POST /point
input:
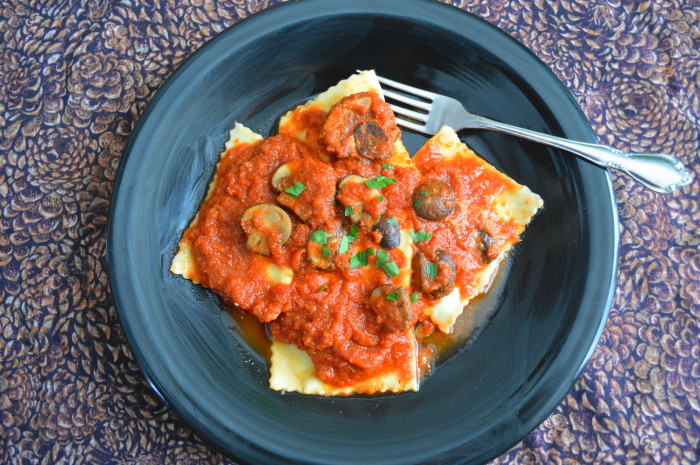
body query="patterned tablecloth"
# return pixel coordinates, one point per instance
(75, 76)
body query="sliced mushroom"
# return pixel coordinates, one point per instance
(308, 188)
(445, 273)
(363, 100)
(357, 202)
(316, 251)
(361, 126)
(388, 232)
(368, 138)
(434, 200)
(265, 224)
(353, 179)
(392, 307)
(282, 177)
(357, 179)
(485, 243)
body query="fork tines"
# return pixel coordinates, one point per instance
(407, 117)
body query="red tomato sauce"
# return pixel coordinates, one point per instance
(475, 188)
(326, 313)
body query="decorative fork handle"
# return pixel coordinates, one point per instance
(659, 172)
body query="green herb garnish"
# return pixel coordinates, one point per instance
(319, 237)
(391, 269)
(394, 296)
(322, 288)
(325, 252)
(348, 239)
(361, 258)
(414, 297)
(349, 211)
(295, 189)
(387, 166)
(421, 236)
(380, 198)
(344, 245)
(382, 258)
(393, 221)
(379, 182)
(431, 269)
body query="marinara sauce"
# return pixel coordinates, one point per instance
(324, 308)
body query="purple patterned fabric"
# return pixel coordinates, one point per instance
(76, 76)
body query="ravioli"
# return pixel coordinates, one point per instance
(352, 266)
(514, 203)
(293, 122)
(291, 369)
(183, 263)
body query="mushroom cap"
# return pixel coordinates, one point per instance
(443, 283)
(434, 200)
(392, 307)
(359, 214)
(284, 171)
(265, 224)
(390, 233)
(361, 126)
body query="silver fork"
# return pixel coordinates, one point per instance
(659, 172)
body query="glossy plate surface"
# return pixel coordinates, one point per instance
(485, 397)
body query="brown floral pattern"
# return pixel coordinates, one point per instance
(76, 75)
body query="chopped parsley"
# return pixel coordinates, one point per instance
(379, 182)
(431, 269)
(394, 296)
(380, 198)
(387, 166)
(421, 236)
(361, 258)
(344, 245)
(348, 239)
(391, 269)
(325, 252)
(393, 221)
(295, 189)
(322, 288)
(414, 297)
(382, 258)
(349, 211)
(319, 237)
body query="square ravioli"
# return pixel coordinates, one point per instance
(332, 236)
(491, 212)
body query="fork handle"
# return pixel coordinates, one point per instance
(659, 172)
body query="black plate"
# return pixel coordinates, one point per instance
(485, 397)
